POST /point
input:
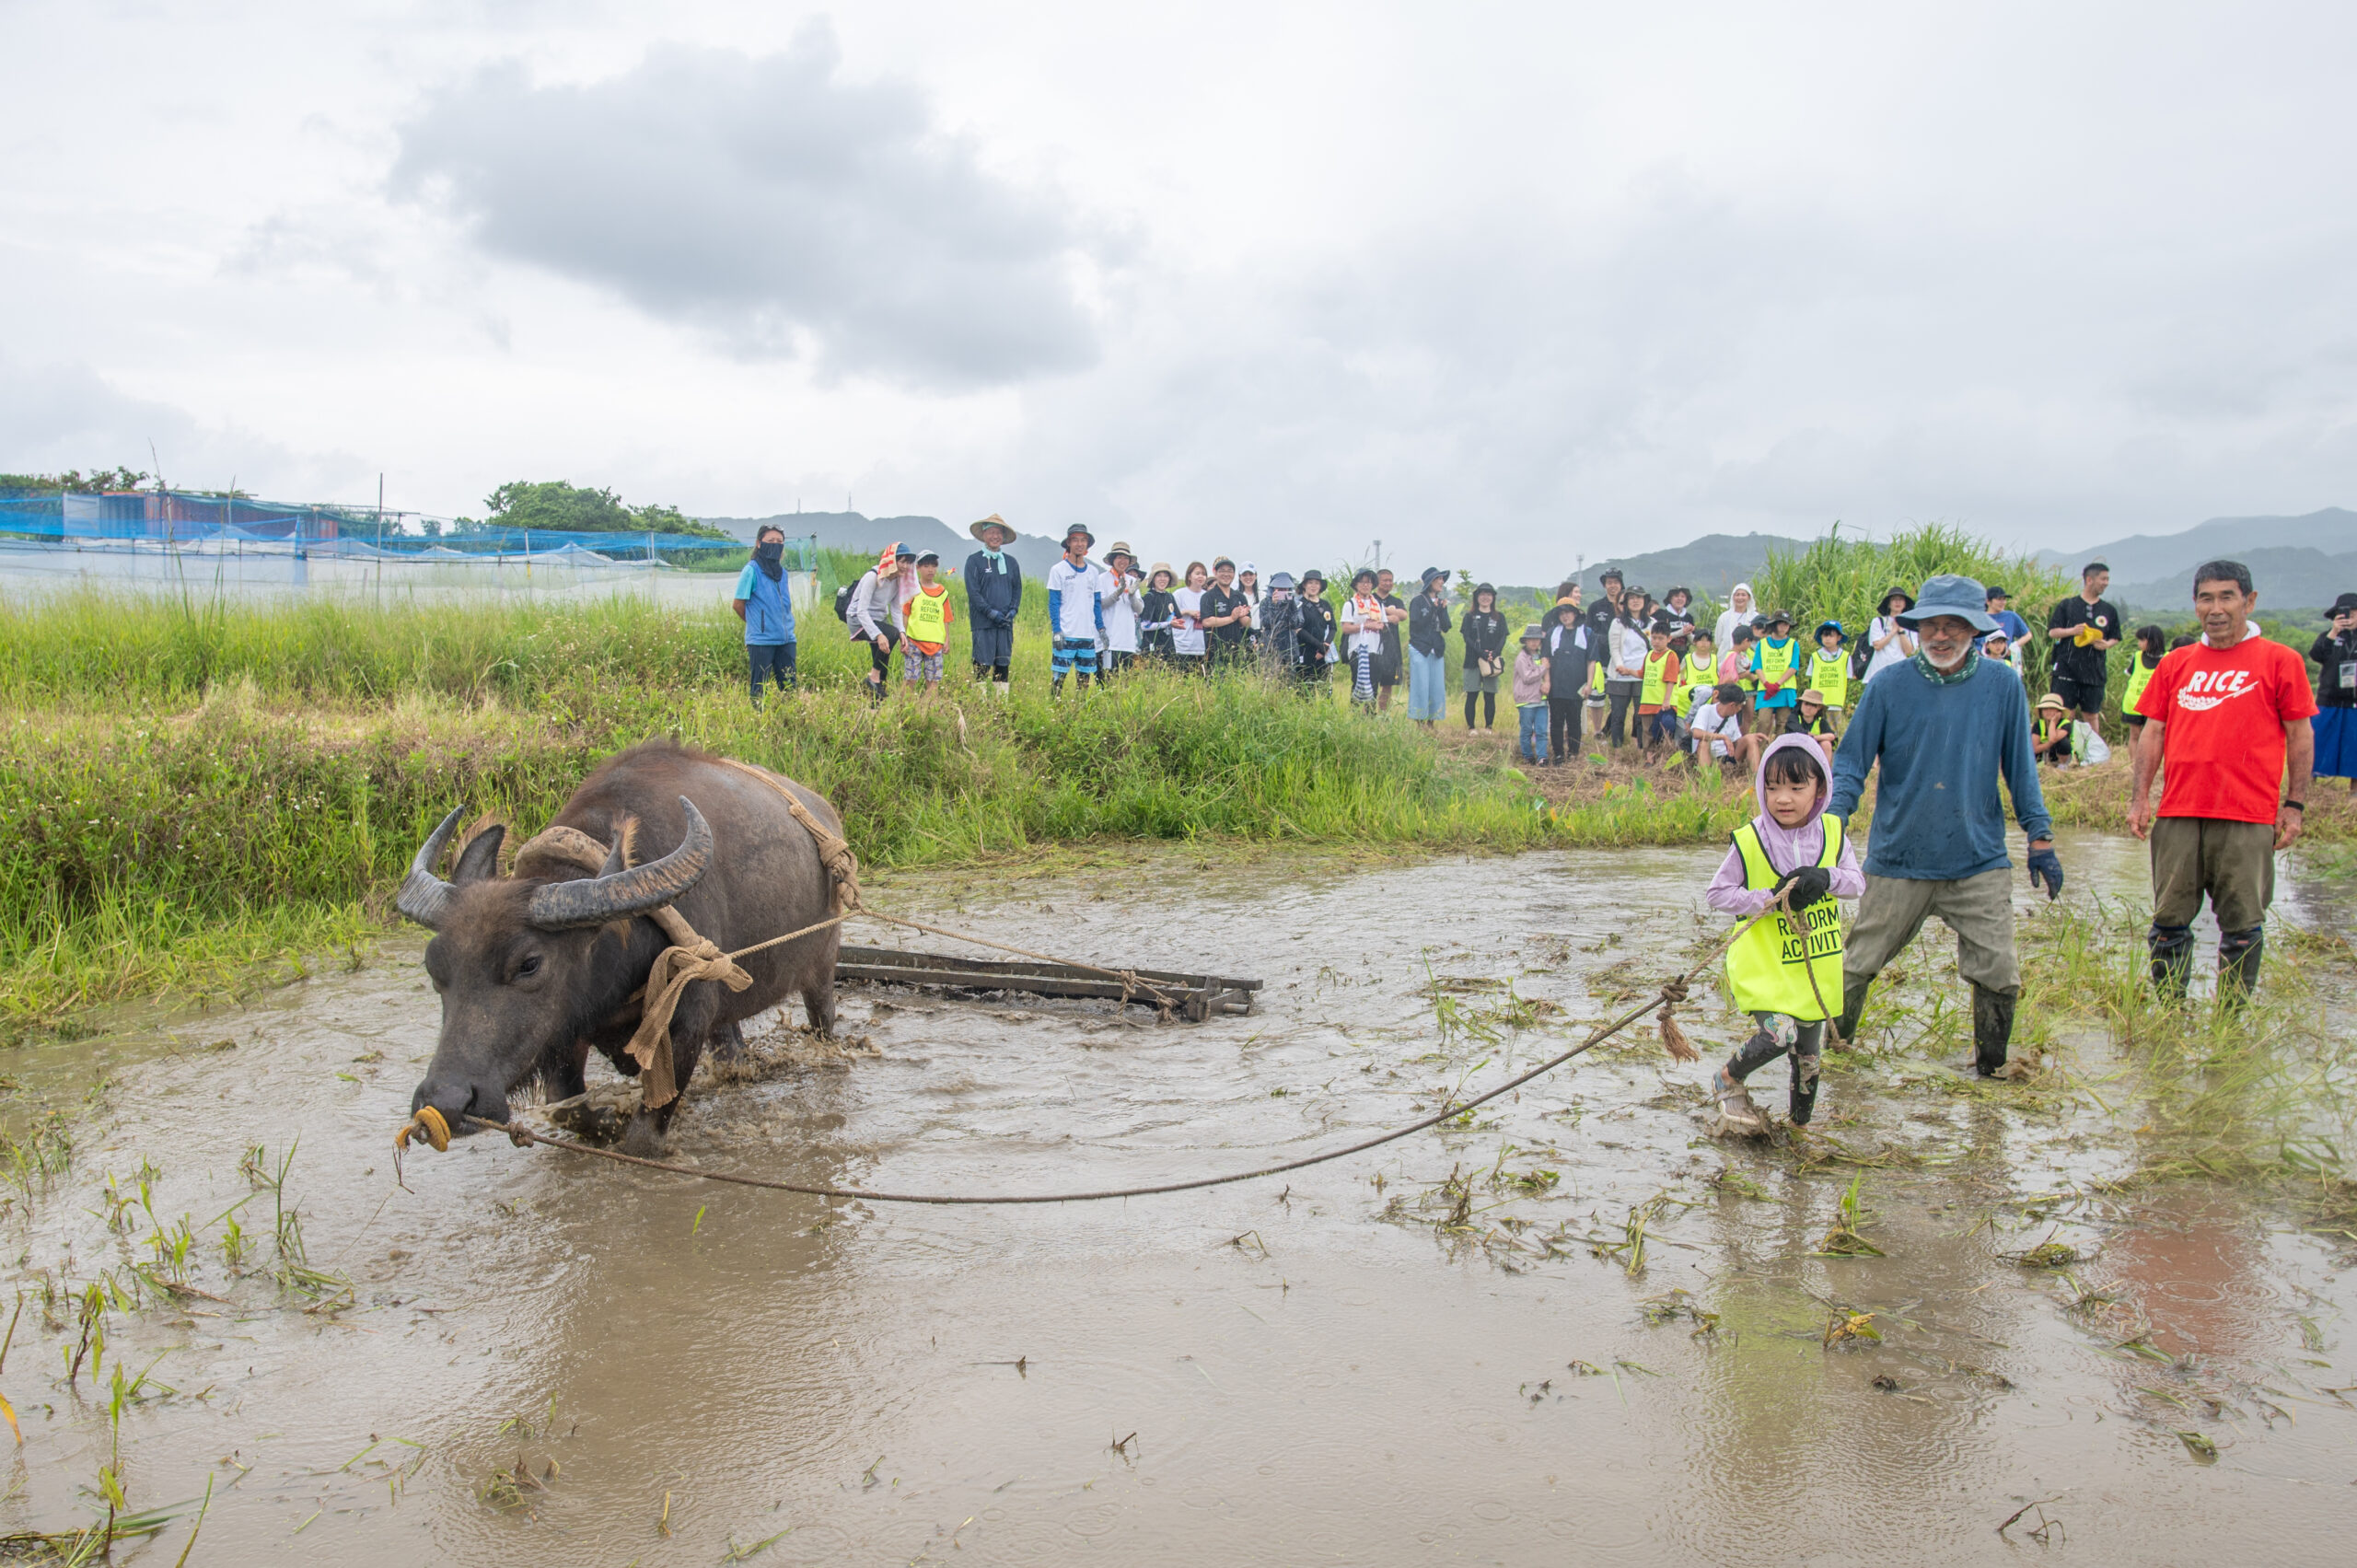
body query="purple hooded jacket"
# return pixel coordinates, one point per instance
(1788, 849)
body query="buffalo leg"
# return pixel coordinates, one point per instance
(562, 1071)
(819, 1001)
(726, 1041)
(698, 1011)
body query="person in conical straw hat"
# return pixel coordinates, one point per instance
(994, 596)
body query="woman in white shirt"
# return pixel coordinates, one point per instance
(1123, 603)
(1892, 644)
(1187, 626)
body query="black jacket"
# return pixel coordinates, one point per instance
(993, 596)
(1485, 633)
(2335, 654)
(1316, 633)
(1160, 605)
(1428, 626)
(1568, 658)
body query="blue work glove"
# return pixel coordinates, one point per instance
(2045, 866)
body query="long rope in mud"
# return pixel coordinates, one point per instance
(1670, 994)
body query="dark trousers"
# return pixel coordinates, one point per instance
(993, 651)
(1112, 662)
(1622, 694)
(1562, 727)
(768, 659)
(881, 655)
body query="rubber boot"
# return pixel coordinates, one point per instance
(2238, 956)
(1992, 1029)
(1805, 1076)
(1853, 1008)
(2172, 947)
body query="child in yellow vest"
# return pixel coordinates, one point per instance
(1828, 670)
(930, 616)
(1790, 984)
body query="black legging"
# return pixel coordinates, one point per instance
(1563, 728)
(880, 652)
(1489, 710)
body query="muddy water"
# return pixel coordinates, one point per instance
(1274, 1372)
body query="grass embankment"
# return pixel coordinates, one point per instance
(195, 797)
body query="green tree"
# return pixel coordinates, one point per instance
(560, 507)
(92, 483)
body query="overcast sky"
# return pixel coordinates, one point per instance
(1500, 285)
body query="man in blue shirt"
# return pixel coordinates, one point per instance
(766, 608)
(1944, 725)
(2016, 628)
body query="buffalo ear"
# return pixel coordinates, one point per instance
(620, 856)
(480, 860)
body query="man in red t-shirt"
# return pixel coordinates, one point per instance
(2222, 717)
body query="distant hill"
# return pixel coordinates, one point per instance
(2287, 577)
(2308, 558)
(1710, 565)
(854, 530)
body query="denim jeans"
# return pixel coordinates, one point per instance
(1427, 685)
(1534, 732)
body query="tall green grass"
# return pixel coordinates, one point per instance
(1846, 580)
(124, 835)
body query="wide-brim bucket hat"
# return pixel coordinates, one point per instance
(1161, 568)
(1533, 632)
(1884, 603)
(1118, 547)
(1950, 593)
(992, 521)
(1082, 530)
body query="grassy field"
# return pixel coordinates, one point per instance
(199, 796)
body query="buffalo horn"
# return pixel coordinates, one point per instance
(425, 896)
(594, 900)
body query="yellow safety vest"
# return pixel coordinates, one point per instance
(929, 617)
(1775, 661)
(1831, 675)
(1654, 689)
(1768, 968)
(2140, 675)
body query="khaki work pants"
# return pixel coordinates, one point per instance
(2233, 862)
(1980, 909)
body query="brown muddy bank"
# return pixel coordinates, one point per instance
(1370, 1364)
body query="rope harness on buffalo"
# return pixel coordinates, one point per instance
(1663, 1001)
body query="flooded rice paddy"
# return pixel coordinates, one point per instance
(1574, 1329)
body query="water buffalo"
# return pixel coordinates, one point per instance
(536, 969)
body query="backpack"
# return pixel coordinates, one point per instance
(1862, 654)
(843, 602)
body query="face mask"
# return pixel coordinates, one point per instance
(771, 552)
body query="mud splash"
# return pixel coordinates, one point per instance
(1572, 1329)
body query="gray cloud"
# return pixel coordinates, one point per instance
(766, 202)
(59, 416)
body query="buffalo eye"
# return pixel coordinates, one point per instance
(529, 964)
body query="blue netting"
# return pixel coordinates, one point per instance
(171, 519)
